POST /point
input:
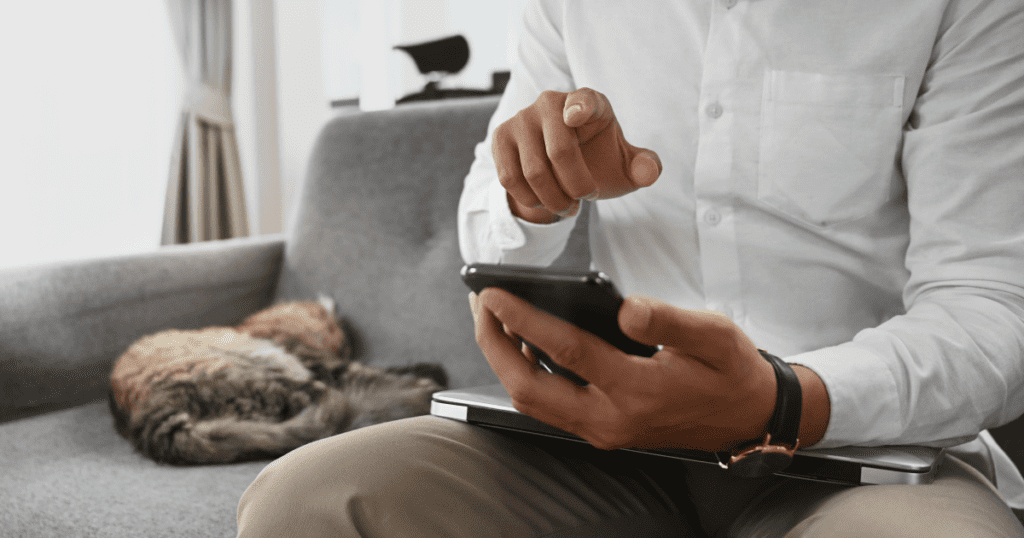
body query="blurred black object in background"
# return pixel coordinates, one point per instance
(447, 55)
(440, 58)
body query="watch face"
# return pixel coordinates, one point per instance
(759, 464)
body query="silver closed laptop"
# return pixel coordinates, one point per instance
(490, 406)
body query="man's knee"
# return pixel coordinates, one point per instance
(958, 504)
(902, 512)
(323, 484)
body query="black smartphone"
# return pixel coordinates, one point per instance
(587, 299)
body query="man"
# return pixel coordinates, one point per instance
(836, 183)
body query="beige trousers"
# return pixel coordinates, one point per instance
(429, 476)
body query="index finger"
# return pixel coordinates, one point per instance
(589, 112)
(546, 397)
(562, 146)
(589, 356)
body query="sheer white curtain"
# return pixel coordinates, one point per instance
(90, 95)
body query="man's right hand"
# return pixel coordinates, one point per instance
(564, 148)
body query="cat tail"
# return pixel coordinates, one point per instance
(180, 439)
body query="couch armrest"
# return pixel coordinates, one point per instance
(63, 324)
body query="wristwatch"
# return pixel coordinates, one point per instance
(775, 451)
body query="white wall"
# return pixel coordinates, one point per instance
(360, 34)
(340, 49)
(492, 28)
(280, 102)
(303, 104)
(256, 113)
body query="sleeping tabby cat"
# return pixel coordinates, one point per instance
(282, 378)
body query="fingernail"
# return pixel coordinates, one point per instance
(643, 170)
(636, 314)
(473, 303)
(572, 110)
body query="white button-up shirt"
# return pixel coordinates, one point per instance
(845, 180)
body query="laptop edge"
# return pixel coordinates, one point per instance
(910, 465)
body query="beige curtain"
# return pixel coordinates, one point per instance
(205, 197)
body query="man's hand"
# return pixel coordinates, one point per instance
(707, 389)
(564, 148)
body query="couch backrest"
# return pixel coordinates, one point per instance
(376, 229)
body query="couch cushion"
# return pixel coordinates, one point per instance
(377, 230)
(69, 474)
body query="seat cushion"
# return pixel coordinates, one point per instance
(69, 474)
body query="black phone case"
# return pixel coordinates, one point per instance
(587, 299)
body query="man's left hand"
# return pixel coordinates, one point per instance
(708, 388)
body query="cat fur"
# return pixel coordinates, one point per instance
(281, 379)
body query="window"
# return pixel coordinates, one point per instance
(91, 96)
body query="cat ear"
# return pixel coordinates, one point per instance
(329, 305)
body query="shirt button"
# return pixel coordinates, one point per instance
(729, 4)
(712, 217)
(714, 110)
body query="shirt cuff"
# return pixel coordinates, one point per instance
(523, 242)
(865, 405)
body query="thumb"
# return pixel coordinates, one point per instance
(653, 322)
(644, 166)
(636, 320)
(590, 113)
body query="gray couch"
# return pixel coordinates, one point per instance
(376, 230)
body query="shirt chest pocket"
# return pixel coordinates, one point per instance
(829, 144)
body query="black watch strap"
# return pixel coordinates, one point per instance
(775, 452)
(784, 425)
